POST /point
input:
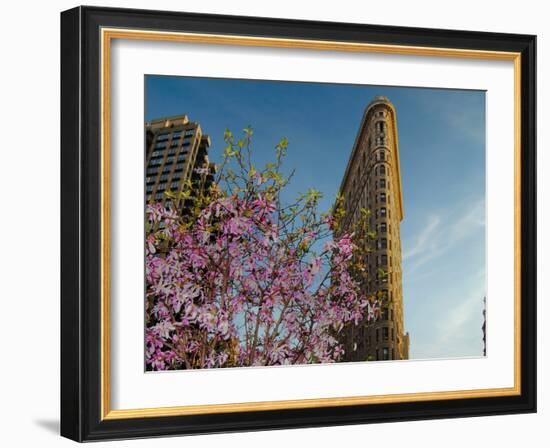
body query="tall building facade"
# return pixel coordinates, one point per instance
(372, 181)
(176, 154)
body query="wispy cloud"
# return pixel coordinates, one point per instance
(458, 321)
(444, 284)
(456, 332)
(442, 231)
(424, 241)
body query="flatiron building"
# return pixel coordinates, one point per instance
(372, 181)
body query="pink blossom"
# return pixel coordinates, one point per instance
(238, 285)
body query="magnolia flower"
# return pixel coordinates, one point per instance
(202, 171)
(163, 328)
(231, 285)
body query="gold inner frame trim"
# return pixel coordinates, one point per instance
(107, 35)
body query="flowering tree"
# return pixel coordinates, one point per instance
(242, 279)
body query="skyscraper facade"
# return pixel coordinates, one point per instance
(176, 155)
(372, 181)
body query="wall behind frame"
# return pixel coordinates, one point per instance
(29, 89)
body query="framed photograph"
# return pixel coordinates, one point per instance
(273, 223)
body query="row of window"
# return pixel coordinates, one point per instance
(382, 212)
(384, 335)
(384, 261)
(163, 137)
(386, 314)
(381, 141)
(170, 152)
(385, 354)
(173, 186)
(380, 156)
(380, 170)
(151, 180)
(160, 148)
(173, 144)
(382, 243)
(175, 134)
(381, 126)
(166, 136)
(169, 160)
(382, 198)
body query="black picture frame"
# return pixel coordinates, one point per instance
(81, 224)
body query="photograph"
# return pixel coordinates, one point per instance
(290, 223)
(274, 223)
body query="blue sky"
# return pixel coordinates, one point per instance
(442, 152)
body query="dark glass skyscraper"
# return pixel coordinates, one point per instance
(176, 155)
